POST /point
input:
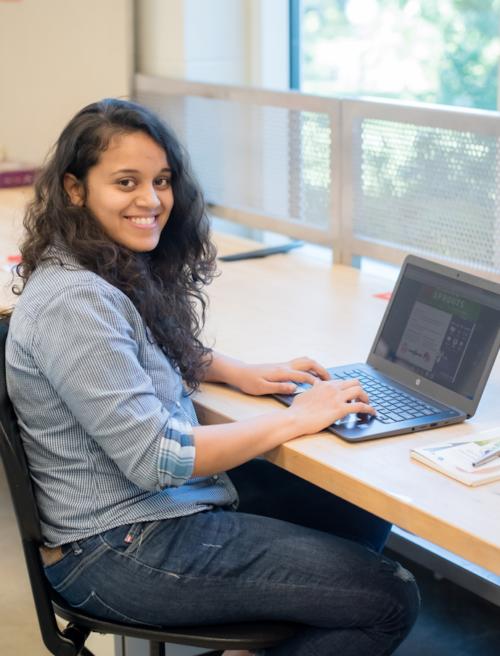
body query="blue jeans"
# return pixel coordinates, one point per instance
(223, 566)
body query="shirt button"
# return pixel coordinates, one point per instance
(178, 404)
(215, 478)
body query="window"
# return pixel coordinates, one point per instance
(444, 52)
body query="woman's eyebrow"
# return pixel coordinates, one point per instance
(165, 169)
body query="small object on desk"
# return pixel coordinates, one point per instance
(460, 459)
(488, 456)
(261, 252)
(14, 259)
(385, 296)
(16, 174)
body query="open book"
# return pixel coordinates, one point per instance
(455, 459)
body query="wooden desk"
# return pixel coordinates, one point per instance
(288, 305)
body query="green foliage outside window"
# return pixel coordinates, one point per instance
(418, 187)
(443, 52)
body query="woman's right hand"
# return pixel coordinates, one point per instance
(220, 447)
(326, 402)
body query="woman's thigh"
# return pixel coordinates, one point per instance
(223, 566)
(265, 489)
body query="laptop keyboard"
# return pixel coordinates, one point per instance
(391, 403)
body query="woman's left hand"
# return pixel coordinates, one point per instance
(279, 378)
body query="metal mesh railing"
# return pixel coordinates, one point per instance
(260, 159)
(377, 179)
(428, 190)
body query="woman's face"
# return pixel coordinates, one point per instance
(128, 191)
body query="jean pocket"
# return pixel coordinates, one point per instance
(58, 572)
(66, 551)
(94, 605)
(62, 574)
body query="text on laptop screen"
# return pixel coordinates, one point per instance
(441, 329)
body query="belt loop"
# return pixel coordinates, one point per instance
(77, 550)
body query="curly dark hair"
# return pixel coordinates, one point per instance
(166, 284)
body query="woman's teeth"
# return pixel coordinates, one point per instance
(142, 220)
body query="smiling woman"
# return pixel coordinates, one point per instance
(137, 508)
(124, 177)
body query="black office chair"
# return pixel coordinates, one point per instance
(71, 640)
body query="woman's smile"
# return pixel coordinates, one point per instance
(142, 222)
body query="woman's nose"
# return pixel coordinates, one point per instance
(148, 197)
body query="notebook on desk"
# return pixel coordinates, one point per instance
(431, 357)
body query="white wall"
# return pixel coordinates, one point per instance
(219, 41)
(55, 57)
(268, 53)
(193, 39)
(58, 55)
(160, 37)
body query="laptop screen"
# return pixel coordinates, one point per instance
(441, 329)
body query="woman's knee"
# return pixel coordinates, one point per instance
(405, 598)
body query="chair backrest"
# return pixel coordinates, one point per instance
(14, 459)
(21, 490)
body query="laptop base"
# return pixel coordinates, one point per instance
(353, 428)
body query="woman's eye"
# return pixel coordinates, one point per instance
(126, 183)
(163, 182)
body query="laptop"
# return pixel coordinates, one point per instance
(431, 357)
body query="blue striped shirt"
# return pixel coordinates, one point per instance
(106, 423)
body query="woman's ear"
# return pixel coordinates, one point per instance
(74, 188)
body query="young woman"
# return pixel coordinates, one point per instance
(141, 522)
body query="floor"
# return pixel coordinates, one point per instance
(452, 621)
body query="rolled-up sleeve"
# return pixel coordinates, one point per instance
(85, 344)
(176, 455)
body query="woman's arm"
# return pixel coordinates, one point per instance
(224, 446)
(276, 378)
(86, 347)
